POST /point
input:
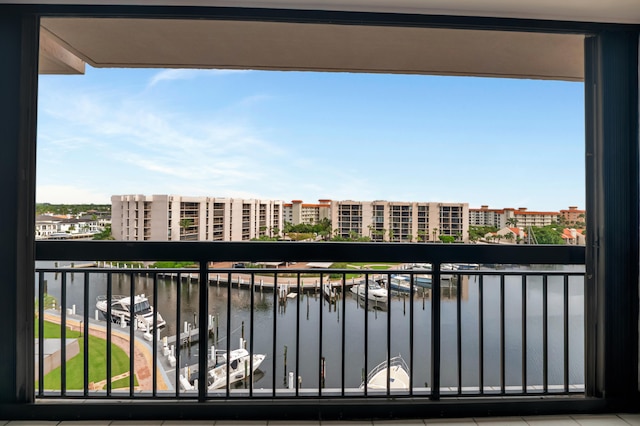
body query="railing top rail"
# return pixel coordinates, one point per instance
(308, 251)
(312, 271)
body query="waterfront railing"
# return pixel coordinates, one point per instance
(513, 325)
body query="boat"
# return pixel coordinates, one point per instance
(240, 367)
(402, 282)
(467, 266)
(396, 371)
(121, 310)
(372, 290)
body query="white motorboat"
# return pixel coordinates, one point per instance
(396, 371)
(372, 290)
(121, 311)
(240, 367)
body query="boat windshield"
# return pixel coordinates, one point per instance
(142, 307)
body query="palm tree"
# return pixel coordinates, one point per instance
(435, 232)
(184, 225)
(513, 222)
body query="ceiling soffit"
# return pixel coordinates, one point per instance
(177, 43)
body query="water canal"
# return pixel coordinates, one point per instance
(310, 310)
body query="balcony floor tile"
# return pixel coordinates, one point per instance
(409, 422)
(632, 419)
(550, 421)
(597, 420)
(501, 421)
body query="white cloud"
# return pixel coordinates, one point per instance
(187, 74)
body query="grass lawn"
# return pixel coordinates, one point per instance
(374, 265)
(97, 361)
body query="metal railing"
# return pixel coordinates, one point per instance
(510, 329)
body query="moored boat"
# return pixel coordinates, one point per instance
(121, 308)
(371, 290)
(240, 367)
(395, 373)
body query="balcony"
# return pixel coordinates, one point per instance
(494, 332)
(607, 60)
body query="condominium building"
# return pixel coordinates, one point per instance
(175, 217)
(573, 215)
(400, 221)
(298, 212)
(524, 217)
(484, 216)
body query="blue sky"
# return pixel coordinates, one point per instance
(304, 135)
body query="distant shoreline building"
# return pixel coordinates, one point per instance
(522, 217)
(174, 217)
(181, 218)
(400, 221)
(296, 212)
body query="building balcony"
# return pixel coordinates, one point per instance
(505, 332)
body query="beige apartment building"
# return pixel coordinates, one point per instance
(521, 217)
(400, 221)
(297, 212)
(175, 217)
(573, 215)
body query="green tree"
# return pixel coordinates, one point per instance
(105, 234)
(447, 238)
(478, 232)
(549, 234)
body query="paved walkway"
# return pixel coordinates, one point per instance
(584, 420)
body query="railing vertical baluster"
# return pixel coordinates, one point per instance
(132, 337)
(297, 335)
(343, 336)
(411, 313)
(85, 337)
(154, 344)
(502, 338)
(545, 336)
(63, 335)
(178, 325)
(481, 333)
(435, 332)
(203, 342)
(252, 306)
(566, 333)
(389, 334)
(459, 332)
(320, 329)
(524, 333)
(275, 333)
(366, 328)
(41, 333)
(228, 386)
(109, 325)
